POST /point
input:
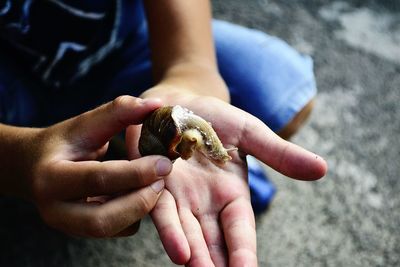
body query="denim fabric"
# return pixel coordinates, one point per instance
(265, 76)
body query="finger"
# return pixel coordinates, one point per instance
(198, 248)
(94, 128)
(132, 141)
(166, 219)
(240, 234)
(285, 157)
(214, 238)
(105, 220)
(73, 180)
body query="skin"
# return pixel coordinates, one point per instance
(204, 216)
(202, 211)
(59, 169)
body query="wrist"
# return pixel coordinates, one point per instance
(196, 78)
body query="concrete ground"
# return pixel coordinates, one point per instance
(349, 218)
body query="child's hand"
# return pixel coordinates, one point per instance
(82, 196)
(204, 216)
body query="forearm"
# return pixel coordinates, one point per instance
(182, 45)
(15, 144)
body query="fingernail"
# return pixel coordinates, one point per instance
(163, 167)
(158, 186)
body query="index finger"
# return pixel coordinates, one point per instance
(95, 127)
(248, 133)
(285, 157)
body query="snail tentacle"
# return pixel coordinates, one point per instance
(180, 132)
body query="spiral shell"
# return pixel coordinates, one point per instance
(173, 131)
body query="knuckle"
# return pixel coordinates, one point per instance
(97, 226)
(96, 181)
(162, 206)
(145, 203)
(139, 175)
(119, 106)
(120, 102)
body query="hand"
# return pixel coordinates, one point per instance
(204, 217)
(80, 195)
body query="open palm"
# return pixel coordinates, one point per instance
(204, 217)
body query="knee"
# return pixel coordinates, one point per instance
(295, 124)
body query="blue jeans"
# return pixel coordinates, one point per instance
(265, 76)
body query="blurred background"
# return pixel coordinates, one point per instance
(349, 218)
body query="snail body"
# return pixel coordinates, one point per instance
(174, 131)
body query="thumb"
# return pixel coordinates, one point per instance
(95, 128)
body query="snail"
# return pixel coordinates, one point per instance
(174, 131)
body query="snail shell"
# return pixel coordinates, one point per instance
(175, 132)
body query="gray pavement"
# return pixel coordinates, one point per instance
(349, 218)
